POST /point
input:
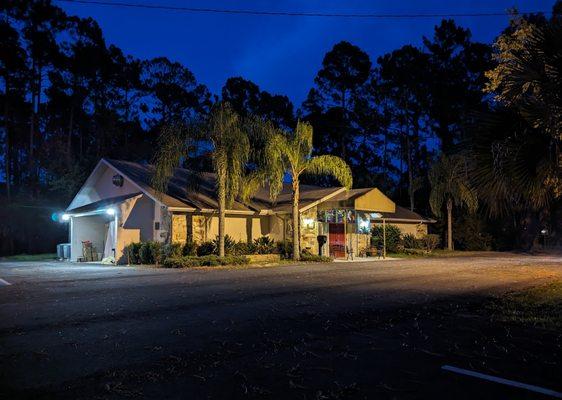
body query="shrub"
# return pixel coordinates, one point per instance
(392, 237)
(285, 249)
(307, 257)
(150, 252)
(243, 248)
(430, 242)
(410, 241)
(132, 252)
(229, 244)
(189, 248)
(470, 234)
(264, 245)
(208, 261)
(206, 248)
(171, 250)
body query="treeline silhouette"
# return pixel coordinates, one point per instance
(68, 98)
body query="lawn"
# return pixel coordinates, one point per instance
(30, 257)
(539, 306)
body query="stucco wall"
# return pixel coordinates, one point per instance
(102, 188)
(92, 228)
(309, 230)
(203, 227)
(135, 223)
(418, 230)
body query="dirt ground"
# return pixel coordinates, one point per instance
(317, 331)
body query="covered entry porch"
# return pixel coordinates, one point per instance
(93, 236)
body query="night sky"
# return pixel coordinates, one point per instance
(280, 54)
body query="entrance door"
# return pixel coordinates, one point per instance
(337, 240)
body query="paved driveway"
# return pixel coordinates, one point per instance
(71, 324)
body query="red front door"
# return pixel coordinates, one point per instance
(337, 240)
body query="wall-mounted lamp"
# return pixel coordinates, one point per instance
(308, 223)
(110, 211)
(65, 217)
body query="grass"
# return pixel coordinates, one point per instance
(437, 253)
(31, 257)
(539, 306)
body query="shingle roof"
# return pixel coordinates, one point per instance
(198, 190)
(403, 214)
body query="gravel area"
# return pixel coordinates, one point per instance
(87, 330)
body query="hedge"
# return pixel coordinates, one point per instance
(315, 258)
(204, 261)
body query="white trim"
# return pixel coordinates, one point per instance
(417, 221)
(323, 199)
(211, 211)
(186, 209)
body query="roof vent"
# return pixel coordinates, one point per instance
(117, 180)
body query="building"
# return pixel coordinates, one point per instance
(117, 206)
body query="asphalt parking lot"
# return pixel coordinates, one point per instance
(304, 331)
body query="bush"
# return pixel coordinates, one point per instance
(392, 237)
(171, 250)
(264, 245)
(229, 244)
(243, 248)
(132, 253)
(430, 242)
(307, 257)
(206, 248)
(285, 249)
(150, 252)
(410, 241)
(189, 248)
(207, 261)
(469, 233)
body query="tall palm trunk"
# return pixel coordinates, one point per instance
(449, 224)
(222, 209)
(296, 225)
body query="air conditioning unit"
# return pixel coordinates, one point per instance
(63, 251)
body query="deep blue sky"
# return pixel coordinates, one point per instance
(280, 54)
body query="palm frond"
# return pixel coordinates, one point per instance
(172, 146)
(330, 165)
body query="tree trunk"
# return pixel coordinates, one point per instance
(8, 150)
(296, 224)
(449, 224)
(30, 160)
(222, 210)
(69, 138)
(410, 172)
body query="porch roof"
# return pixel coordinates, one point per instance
(102, 204)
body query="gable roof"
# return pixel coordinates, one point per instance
(190, 190)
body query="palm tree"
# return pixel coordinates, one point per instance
(291, 153)
(450, 185)
(231, 149)
(517, 150)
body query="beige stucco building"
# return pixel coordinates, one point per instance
(117, 206)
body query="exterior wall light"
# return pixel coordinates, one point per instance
(65, 217)
(308, 223)
(110, 211)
